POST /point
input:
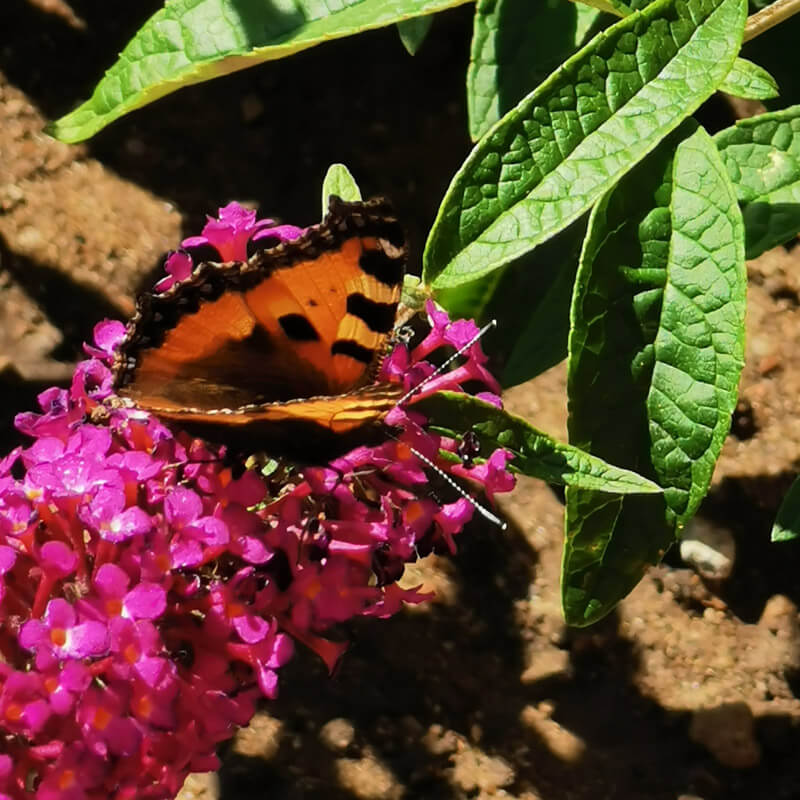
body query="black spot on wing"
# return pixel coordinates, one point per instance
(298, 328)
(378, 317)
(382, 267)
(347, 347)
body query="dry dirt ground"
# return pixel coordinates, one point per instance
(688, 690)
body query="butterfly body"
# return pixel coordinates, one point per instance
(280, 352)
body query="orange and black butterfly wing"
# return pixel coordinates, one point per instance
(309, 319)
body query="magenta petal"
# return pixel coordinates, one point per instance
(253, 550)
(59, 614)
(186, 553)
(88, 639)
(282, 651)
(212, 531)
(37, 713)
(268, 682)
(182, 506)
(490, 397)
(8, 557)
(283, 232)
(251, 629)
(111, 580)
(178, 266)
(75, 676)
(152, 669)
(131, 522)
(108, 501)
(31, 633)
(107, 335)
(146, 601)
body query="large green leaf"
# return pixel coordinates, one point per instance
(615, 311)
(550, 158)
(190, 41)
(535, 453)
(656, 350)
(699, 347)
(515, 45)
(762, 156)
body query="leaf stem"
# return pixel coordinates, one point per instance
(769, 17)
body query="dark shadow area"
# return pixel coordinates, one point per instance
(72, 307)
(748, 507)
(57, 64)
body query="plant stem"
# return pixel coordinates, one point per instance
(769, 17)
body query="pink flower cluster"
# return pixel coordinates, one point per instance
(148, 597)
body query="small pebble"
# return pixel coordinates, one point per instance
(367, 779)
(337, 734)
(709, 549)
(473, 771)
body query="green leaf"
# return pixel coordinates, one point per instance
(190, 41)
(535, 453)
(762, 156)
(611, 6)
(656, 350)
(787, 523)
(339, 181)
(750, 81)
(588, 18)
(413, 32)
(542, 342)
(699, 347)
(552, 157)
(515, 45)
(615, 313)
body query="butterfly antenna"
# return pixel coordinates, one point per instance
(446, 363)
(482, 510)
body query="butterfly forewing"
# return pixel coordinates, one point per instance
(296, 334)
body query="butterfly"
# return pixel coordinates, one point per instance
(280, 352)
